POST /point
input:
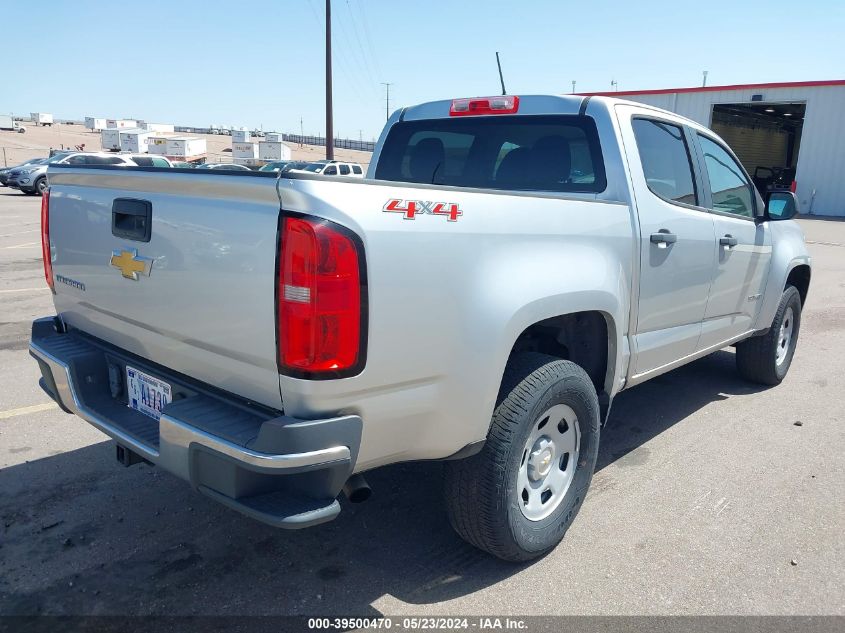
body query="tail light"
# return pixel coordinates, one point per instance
(506, 104)
(45, 238)
(320, 305)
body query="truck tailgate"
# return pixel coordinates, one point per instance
(198, 297)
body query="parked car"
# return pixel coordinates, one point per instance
(510, 266)
(4, 172)
(32, 179)
(149, 160)
(224, 166)
(334, 168)
(181, 164)
(284, 165)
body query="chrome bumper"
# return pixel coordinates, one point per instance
(72, 366)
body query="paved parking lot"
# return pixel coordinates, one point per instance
(710, 498)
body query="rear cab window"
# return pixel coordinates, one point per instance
(555, 153)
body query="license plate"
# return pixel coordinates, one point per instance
(146, 393)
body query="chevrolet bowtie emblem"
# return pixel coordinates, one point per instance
(130, 263)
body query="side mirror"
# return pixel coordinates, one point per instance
(781, 205)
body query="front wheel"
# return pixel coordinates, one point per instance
(766, 359)
(518, 496)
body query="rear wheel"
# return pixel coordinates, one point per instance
(766, 359)
(518, 496)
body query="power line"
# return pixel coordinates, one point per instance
(366, 54)
(365, 22)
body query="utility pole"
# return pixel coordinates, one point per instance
(614, 84)
(501, 77)
(704, 80)
(387, 100)
(301, 132)
(573, 86)
(329, 113)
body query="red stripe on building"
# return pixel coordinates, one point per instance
(668, 91)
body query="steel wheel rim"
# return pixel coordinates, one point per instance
(787, 327)
(548, 462)
(42, 187)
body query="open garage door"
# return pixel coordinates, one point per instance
(765, 136)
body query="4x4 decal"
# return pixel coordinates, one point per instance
(412, 208)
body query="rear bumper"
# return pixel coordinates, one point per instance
(280, 470)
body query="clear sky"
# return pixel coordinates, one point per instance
(261, 62)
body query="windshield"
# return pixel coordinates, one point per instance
(56, 158)
(516, 153)
(274, 166)
(314, 167)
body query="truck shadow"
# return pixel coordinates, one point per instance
(82, 536)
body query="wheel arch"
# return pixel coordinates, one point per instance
(588, 337)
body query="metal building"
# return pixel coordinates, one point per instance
(785, 134)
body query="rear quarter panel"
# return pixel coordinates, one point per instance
(447, 301)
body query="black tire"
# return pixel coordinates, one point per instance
(757, 357)
(482, 499)
(40, 185)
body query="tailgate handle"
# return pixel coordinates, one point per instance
(132, 219)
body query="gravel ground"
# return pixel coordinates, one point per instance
(710, 498)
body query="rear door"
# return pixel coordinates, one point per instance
(744, 248)
(677, 239)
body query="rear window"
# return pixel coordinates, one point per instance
(524, 153)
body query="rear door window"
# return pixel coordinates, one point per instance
(516, 153)
(666, 160)
(330, 171)
(344, 170)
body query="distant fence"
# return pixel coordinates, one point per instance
(343, 143)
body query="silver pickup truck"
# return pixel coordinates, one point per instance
(507, 267)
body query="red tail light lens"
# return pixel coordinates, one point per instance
(506, 104)
(45, 238)
(319, 297)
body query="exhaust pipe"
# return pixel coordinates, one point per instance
(356, 489)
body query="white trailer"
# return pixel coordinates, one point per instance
(248, 162)
(244, 150)
(94, 124)
(157, 144)
(182, 147)
(273, 137)
(157, 127)
(41, 118)
(135, 141)
(121, 123)
(270, 150)
(240, 136)
(110, 139)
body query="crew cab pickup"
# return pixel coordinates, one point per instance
(506, 268)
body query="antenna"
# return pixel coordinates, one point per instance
(704, 79)
(501, 77)
(573, 86)
(614, 84)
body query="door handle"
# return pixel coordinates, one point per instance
(663, 238)
(131, 219)
(728, 241)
